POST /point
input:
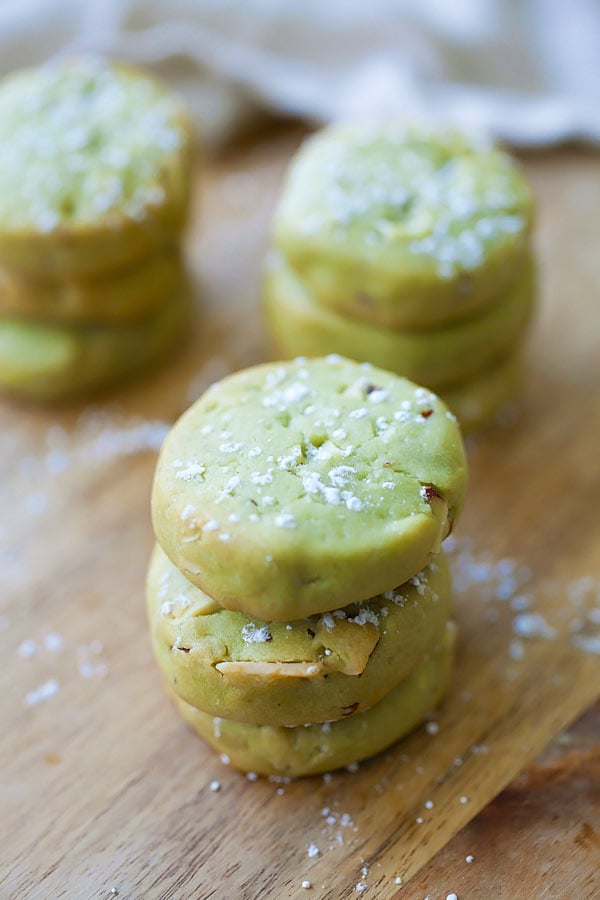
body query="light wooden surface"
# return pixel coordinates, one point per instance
(106, 793)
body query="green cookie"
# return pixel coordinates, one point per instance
(312, 749)
(44, 362)
(403, 228)
(95, 166)
(296, 488)
(477, 401)
(437, 357)
(127, 295)
(271, 673)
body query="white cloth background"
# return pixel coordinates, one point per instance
(527, 71)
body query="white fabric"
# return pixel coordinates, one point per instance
(527, 71)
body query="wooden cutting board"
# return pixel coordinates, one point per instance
(106, 793)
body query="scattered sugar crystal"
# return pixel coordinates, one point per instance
(533, 625)
(285, 520)
(215, 786)
(469, 858)
(188, 512)
(44, 692)
(27, 649)
(53, 642)
(225, 537)
(229, 447)
(516, 650)
(313, 851)
(464, 799)
(225, 759)
(379, 395)
(419, 820)
(211, 525)
(256, 634)
(452, 896)
(398, 879)
(194, 470)
(589, 643)
(361, 887)
(429, 804)
(251, 776)
(306, 884)
(432, 728)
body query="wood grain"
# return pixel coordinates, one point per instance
(105, 790)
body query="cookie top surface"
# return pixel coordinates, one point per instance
(296, 488)
(83, 142)
(403, 227)
(442, 196)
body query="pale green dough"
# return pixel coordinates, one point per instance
(313, 749)
(95, 166)
(480, 400)
(403, 228)
(124, 296)
(310, 670)
(296, 488)
(44, 362)
(436, 358)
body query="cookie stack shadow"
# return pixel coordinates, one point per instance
(298, 597)
(95, 173)
(410, 250)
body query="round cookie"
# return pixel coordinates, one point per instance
(316, 669)
(44, 362)
(317, 748)
(437, 357)
(403, 227)
(296, 488)
(478, 401)
(95, 163)
(123, 296)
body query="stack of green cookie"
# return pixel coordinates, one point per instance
(95, 165)
(410, 250)
(298, 598)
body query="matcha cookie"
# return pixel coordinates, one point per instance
(95, 163)
(313, 749)
(310, 670)
(296, 488)
(44, 362)
(477, 401)
(437, 357)
(403, 228)
(123, 296)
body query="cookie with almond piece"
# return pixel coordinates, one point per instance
(316, 669)
(323, 747)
